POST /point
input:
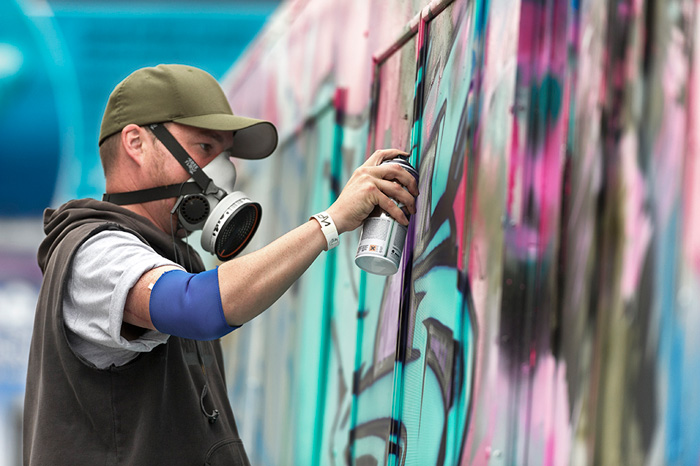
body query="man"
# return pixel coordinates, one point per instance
(125, 364)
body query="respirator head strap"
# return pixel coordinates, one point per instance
(228, 219)
(152, 194)
(181, 155)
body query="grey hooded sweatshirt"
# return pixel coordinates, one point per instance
(168, 406)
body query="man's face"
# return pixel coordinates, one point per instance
(202, 145)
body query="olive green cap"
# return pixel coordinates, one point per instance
(185, 95)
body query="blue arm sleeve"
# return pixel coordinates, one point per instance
(189, 305)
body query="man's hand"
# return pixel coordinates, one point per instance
(373, 185)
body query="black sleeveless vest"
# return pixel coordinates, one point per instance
(158, 409)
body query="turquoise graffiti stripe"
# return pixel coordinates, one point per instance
(328, 290)
(357, 369)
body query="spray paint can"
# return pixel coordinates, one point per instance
(382, 238)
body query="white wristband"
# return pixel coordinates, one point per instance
(328, 228)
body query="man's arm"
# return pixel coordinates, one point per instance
(252, 283)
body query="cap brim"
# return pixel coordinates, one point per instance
(254, 139)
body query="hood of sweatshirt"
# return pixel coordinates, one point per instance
(60, 222)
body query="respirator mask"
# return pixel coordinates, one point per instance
(228, 219)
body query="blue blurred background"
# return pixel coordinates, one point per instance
(59, 60)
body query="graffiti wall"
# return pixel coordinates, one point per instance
(546, 305)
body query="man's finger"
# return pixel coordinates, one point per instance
(390, 207)
(398, 193)
(396, 172)
(385, 154)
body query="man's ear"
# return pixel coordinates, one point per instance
(132, 139)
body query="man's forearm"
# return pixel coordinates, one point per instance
(252, 283)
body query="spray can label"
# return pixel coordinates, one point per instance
(382, 239)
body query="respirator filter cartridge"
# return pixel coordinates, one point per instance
(231, 225)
